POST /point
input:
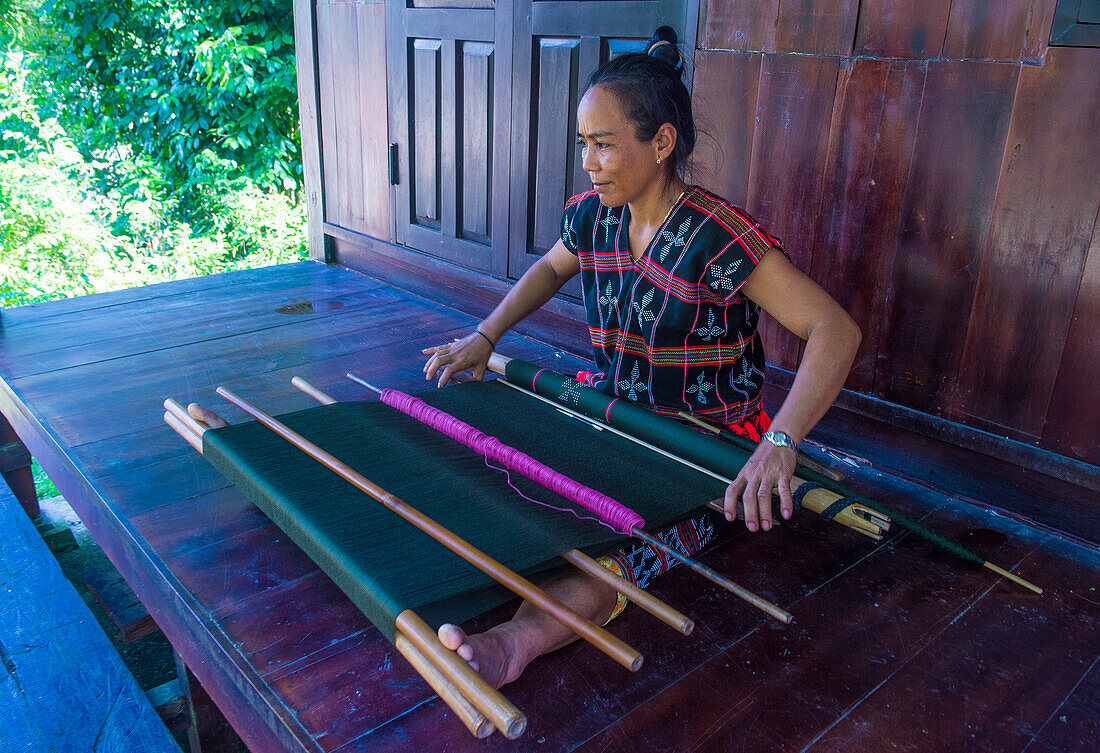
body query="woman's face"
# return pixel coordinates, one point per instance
(621, 167)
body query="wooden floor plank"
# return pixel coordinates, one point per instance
(63, 687)
(296, 667)
(1002, 665)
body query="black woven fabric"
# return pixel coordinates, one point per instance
(382, 562)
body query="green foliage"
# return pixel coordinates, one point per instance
(42, 483)
(144, 141)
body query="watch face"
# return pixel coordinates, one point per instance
(779, 439)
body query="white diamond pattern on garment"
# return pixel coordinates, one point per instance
(700, 389)
(608, 300)
(709, 331)
(643, 310)
(720, 278)
(676, 240)
(633, 386)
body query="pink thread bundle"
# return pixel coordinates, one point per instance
(617, 515)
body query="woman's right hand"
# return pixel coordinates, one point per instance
(470, 353)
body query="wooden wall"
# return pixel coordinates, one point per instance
(932, 163)
(936, 167)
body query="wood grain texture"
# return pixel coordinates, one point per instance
(373, 119)
(309, 112)
(1072, 424)
(330, 167)
(817, 27)
(789, 152)
(63, 681)
(945, 221)
(1048, 196)
(787, 689)
(724, 104)
(871, 142)
(742, 25)
(902, 28)
(978, 30)
(296, 668)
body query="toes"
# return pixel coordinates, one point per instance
(208, 417)
(453, 637)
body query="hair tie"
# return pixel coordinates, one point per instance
(653, 48)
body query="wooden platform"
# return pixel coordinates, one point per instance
(63, 687)
(894, 646)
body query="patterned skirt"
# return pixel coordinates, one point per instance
(640, 563)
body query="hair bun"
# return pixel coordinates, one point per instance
(662, 46)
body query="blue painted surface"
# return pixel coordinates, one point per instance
(63, 687)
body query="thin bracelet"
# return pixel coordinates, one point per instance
(492, 344)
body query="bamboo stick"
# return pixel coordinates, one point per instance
(183, 430)
(633, 593)
(312, 391)
(575, 557)
(181, 413)
(475, 721)
(849, 516)
(657, 544)
(488, 700)
(748, 445)
(597, 636)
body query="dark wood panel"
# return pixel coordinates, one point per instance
(870, 155)
(945, 220)
(743, 25)
(788, 166)
(555, 135)
(978, 30)
(264, 626)
(331, 167)
(1048, 195)
(477, 61)
(1073, 419)
(426, 123)
(902, 28)
(1075, 724)
(348, 114)
(309, 111)
(783, 688)
(108, 338)
(374, 120)
(725, 105)
(992, 665)
(817, 27)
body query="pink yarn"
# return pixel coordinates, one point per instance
(615, 514)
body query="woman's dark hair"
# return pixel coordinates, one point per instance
(651, 92)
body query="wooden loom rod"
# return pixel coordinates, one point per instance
(712, 575)
(575, 557)
(633, 593)
(504, 716)
(824, 496)
(184, 431)
(804, 460)
(186, 418)
(514, 582)
(498, 364)
(872, 526)
(474, 720)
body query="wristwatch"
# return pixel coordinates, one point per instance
(780, 439)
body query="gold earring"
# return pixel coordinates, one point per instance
(658, 159)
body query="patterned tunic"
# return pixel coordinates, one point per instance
(672, 331)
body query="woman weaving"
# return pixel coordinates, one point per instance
(673, 280)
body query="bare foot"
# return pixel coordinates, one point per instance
(208, 417)
(490, 654)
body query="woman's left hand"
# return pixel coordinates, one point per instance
(768, 468)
